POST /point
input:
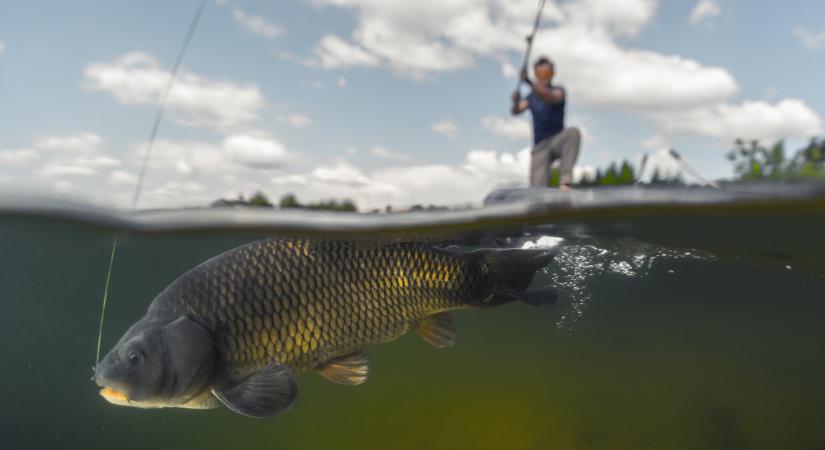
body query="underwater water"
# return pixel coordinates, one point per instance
(687, 320)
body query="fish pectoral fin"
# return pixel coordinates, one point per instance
(438, 330)
(203, 401)
(265, 393)
(347, 369)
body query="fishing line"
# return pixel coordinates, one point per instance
(691, 170)
(105, 300)
(193, 25)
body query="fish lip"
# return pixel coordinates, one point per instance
(114, 396)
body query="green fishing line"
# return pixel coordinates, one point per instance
(105, 300)
(190, 32)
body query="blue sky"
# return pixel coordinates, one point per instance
(385, 102)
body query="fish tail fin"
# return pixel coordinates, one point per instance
(514, 270)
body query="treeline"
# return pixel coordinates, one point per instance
(288, 201)
(753, 161)
(346, 205)
(624, 174)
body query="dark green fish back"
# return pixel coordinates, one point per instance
(303, 302)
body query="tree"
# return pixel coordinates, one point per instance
(626, 175)
(346, 205)
(289, 201)
(259, 199)
(611, 178)
(754, 161)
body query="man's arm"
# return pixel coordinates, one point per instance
(519, 105)
(552, 95)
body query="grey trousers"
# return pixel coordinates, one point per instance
(563, 146)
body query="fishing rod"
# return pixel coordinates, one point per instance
(530, 45)
(190, 32)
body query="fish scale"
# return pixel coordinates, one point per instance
(302, 302)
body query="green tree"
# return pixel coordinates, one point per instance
(626, 174)
(259, 199)
(289, 201)
(611, 177)
(754, 161)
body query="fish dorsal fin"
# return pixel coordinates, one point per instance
(438, 329)
(265, 393)
(347, 369)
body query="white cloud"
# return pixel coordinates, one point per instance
(257, 25)
(441, 184)
(192, 173)
(123, 177)
(515, 128)
(704, 10)
(750, 120)
(180, 173)
(335, 52)
(810, 39)
(297, 120)
(657, 142)
(50, 160)
(446, 127)
(57, 170)
(63, 187)
(342, 173)
(18, 157)
(137, 79)
(597, 71)
(426, 36)
(619, 17)
(79, 143)
(383, 153)
(256, 152)
(430, 36)
(2, 47)
(508, 70)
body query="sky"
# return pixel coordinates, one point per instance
(385, 102)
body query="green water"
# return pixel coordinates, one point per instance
(711, 344)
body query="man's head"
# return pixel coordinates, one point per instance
(544, 69)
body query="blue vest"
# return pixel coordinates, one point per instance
(548, 119)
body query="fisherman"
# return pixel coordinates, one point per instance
(551, 140)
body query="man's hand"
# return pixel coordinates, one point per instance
(519, 105)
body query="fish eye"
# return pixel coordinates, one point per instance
(135, 358)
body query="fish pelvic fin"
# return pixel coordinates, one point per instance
(438, 330)
(514, 270)
(267, 392)
(348, 369)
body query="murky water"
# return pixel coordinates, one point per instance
(680, 326)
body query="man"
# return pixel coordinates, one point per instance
(551, 139)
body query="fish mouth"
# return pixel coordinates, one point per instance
(114, 396)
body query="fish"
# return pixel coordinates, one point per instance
(238, 329)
